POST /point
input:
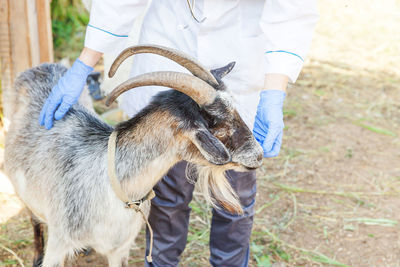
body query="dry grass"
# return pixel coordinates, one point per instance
(332, 197)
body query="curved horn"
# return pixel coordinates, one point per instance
(186, 61)
(201, 92)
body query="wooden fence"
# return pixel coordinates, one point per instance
(25, 40)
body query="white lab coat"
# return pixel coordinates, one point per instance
(262, 36)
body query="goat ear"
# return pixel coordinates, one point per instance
(222, 72)
(210, 147)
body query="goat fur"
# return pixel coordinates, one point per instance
(61, 174)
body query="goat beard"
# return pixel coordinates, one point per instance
(215, 187)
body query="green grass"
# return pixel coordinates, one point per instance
(69, 20)
(372, 221)
(321, 258)
(375, 129)
(8, 262)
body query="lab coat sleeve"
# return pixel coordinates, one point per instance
(288, 26)
(110, 23)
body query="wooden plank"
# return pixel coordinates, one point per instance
(19, 32)
(6, 75)
(45, 32)
(32, 18)
(5, 52)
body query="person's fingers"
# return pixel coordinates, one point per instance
(270, 139)
(259, 135)
(42, 114)
(275, 148)
(62, 110)
(51, 108)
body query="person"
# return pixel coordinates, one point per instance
(268, 40)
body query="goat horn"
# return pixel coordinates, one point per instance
(186, 61)
(200, 91)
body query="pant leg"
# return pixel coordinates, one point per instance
(169, 217)
(230, 234)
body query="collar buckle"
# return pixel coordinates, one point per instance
(133, 204)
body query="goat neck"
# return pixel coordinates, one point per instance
(147, 147)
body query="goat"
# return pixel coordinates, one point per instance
(61, 174)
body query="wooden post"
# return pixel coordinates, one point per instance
(45, 33)
(32, 26)
(6, 67)
(19, 34)
(5, 46)
(25, 41)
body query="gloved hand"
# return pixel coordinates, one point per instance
(268, 126)
(65, 94)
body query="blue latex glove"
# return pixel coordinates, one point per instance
(65, 94)
(268, 126)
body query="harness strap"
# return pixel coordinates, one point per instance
(116, 186)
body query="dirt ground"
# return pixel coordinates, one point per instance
(332, 197)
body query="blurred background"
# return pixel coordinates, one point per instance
(332, 197)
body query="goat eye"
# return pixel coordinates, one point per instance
(220, 134)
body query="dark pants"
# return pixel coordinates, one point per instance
(169, 218)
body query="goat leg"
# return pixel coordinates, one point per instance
(118, 258)
(124, 262)
(38, 233)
